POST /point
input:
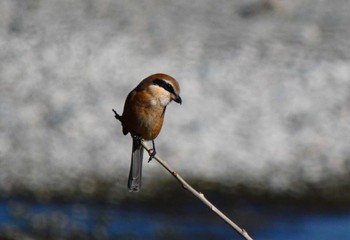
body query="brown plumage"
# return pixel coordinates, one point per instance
(143, 117)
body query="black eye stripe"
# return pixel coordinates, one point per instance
(164, 84)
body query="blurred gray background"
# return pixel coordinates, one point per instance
(265, 88)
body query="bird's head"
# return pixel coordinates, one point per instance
(165, 88)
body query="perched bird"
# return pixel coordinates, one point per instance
(143, 117)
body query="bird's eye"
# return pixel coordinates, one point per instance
(169, 87)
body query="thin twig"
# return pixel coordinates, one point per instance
(117, 116)
(199, 195)
(189, 188)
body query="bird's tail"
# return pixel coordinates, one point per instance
(135, 175)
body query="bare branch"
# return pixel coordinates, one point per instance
(189, 188)
(199, 195)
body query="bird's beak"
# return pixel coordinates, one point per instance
(178, 99)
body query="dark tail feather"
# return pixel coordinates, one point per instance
(135, 175)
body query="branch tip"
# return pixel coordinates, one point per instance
(117, 116)
(199, 195)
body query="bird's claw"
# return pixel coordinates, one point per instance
(152, 154)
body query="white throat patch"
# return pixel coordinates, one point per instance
(162, 96)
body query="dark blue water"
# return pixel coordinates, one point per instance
(66, 220)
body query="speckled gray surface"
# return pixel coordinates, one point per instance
(265, 90)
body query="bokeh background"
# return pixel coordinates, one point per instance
(264, 128)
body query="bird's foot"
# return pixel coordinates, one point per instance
(152, 152)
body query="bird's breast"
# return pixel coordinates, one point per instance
(143, 115)
(151, 121)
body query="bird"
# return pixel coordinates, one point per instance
(143, 116)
